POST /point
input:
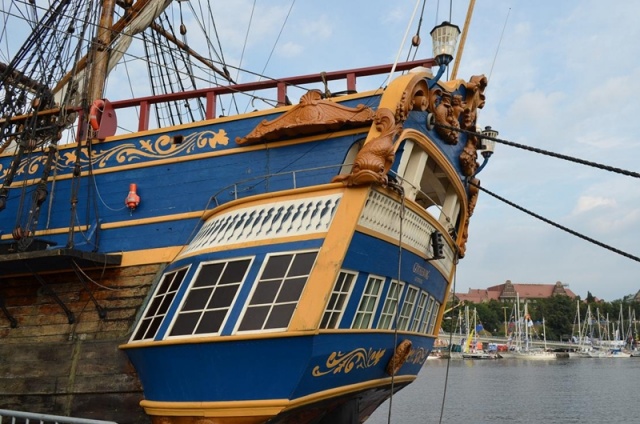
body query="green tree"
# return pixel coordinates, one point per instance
(558, 313)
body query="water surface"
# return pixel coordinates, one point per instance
(516, 391)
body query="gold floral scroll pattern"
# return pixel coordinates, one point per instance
(417, 356)
(359, 358)
(126, 153)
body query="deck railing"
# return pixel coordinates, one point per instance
(280, 84)
(19, 417)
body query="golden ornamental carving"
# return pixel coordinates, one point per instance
(474, 189)
(415, 97)
(125, 153)
(374, 161)
(469, 157)
(445, 114)
(339, 362)
(312, 115)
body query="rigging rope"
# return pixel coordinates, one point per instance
(559, 156)
(545, 152)
(589, 239)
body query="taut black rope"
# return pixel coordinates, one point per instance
(596, 242)
(545, 152)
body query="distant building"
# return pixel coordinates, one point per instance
(508, 292)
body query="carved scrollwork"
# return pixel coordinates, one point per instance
(312, 115)
(376, 157)
(473, 198)
(414, 98)
(452, 112)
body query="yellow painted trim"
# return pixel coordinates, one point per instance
(318, 288)
(150, 256)
(261, 336)
(260, 407)
(256, 408)
(216, 339)
(393, 96)
(197, 156)
(48, 232)
(117, 224)
(154, 220)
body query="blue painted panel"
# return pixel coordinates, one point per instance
(370, 255)
(170, 188)
(289, 367)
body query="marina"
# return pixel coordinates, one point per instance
(587, 391)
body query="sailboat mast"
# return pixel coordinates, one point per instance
(101, 51)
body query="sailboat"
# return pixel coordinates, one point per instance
(283, 264)
(473, 348)
(520, 342)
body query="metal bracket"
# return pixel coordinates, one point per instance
(70, 317)
(12, 320)
(102, 313)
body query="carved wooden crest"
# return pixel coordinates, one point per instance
(312, 115)
(376, 157)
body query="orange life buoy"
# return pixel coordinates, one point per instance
(95, 113)
(399, 357)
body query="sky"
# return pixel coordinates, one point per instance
(561, 79)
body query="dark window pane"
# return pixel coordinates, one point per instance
(178, 279)
(155, 304)
(142, 329)
(302, 264)
(165, 304)
(280, 316)
(325, 321)
(333, 300)
(153, 328)
(197, 299)
(291, 290)
(253, 318)
(276, 267)
(209, 275)
(185, 324)
(222, 297)
(235, 272)
(211, 322)
(165, 283)
(265, 292)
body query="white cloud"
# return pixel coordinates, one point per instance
(587, 203)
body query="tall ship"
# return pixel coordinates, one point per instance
(285, 264)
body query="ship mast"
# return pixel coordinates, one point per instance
(463, 39)
(101, 52)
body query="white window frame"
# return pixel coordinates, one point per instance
(368, 304)
(406, 310)
(172, 293)
(420, 308)
(256, 283)
(343, 298)
(391, 305)
(225, 261)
